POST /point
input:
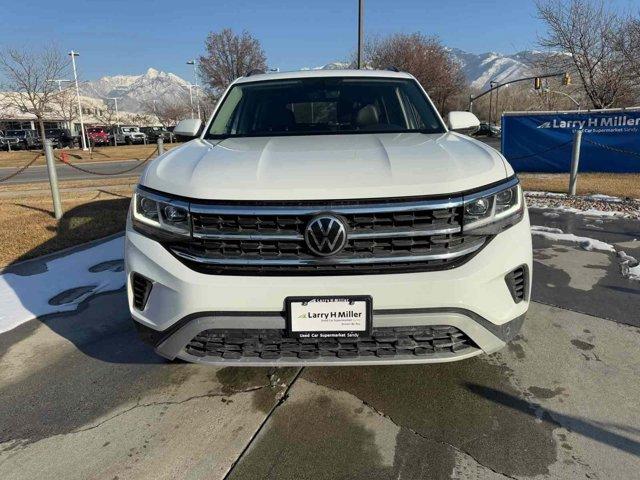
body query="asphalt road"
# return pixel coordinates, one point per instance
(81, 397)
(39, 173)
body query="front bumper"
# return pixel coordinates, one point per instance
(474, 298)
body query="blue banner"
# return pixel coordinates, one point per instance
(542, 142)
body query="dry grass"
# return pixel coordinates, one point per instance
(101, 154)
(42, 188)
(616, 184)
(28, 228)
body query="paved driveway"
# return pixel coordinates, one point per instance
(81, 397)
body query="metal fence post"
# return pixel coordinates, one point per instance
(575, 160)
(160, 146)
(53, 179)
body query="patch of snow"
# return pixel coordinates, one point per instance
(24, 297)
(602, 197)
(629, 265)
(586, 243)
(633, 273)
(545, 194)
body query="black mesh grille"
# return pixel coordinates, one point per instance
(517, 283)
(141, 288)
(384, 342)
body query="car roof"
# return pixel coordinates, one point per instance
(323, 74)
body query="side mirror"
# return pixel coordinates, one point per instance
(463, 122)
(188, 128)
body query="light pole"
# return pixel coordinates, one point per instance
(189, 86)
(59, 82)
(195, 78)
(360, 31)
(75, 77)
(115, 134)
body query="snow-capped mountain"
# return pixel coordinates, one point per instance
(133, 90)
(480, 69)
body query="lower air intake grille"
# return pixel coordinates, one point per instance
(517, 281)
(384, 342)
(141, 288)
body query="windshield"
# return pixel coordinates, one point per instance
(130, 129)
(17, 133)
(313, 106)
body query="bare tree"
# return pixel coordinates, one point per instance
(628, 44)
(28, 80)
(169, 110)
(66, 105)
(425, 58)
(581, 36)
(228, 57)
(108, 116)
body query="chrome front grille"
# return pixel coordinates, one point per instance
(382, 237)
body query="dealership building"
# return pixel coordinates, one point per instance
(94, 112)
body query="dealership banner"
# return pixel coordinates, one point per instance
(542, 141)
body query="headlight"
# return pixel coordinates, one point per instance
(490, 212)
(160, 215)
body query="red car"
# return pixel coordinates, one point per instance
(98, 136)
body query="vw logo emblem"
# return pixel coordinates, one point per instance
(325, 235)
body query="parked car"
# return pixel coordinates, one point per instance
(98, 135)
(61, 137)
(488, 129)
(22, 139)
(131, 134)
(332, 218)
(153, 133)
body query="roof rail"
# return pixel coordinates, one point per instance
(255, 71)
(391, 68)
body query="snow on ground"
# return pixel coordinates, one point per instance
(589, 205)
(555, 234)
(630, 266)
(67, 281)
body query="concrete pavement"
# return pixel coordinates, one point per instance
(81, 397)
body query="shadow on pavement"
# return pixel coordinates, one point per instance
(574, 424)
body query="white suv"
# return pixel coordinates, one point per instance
(328, 218)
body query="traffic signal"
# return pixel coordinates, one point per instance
(537, 83)
(566, 79)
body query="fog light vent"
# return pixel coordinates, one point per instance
(517, 282)
(141, 288)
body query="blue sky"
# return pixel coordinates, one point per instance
(115, 36)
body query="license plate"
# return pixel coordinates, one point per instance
(329, 317)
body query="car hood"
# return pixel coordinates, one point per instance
(326, 167)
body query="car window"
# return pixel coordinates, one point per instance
(324, 105)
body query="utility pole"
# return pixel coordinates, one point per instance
(360, 32)
(195, 79)
(75, 77)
